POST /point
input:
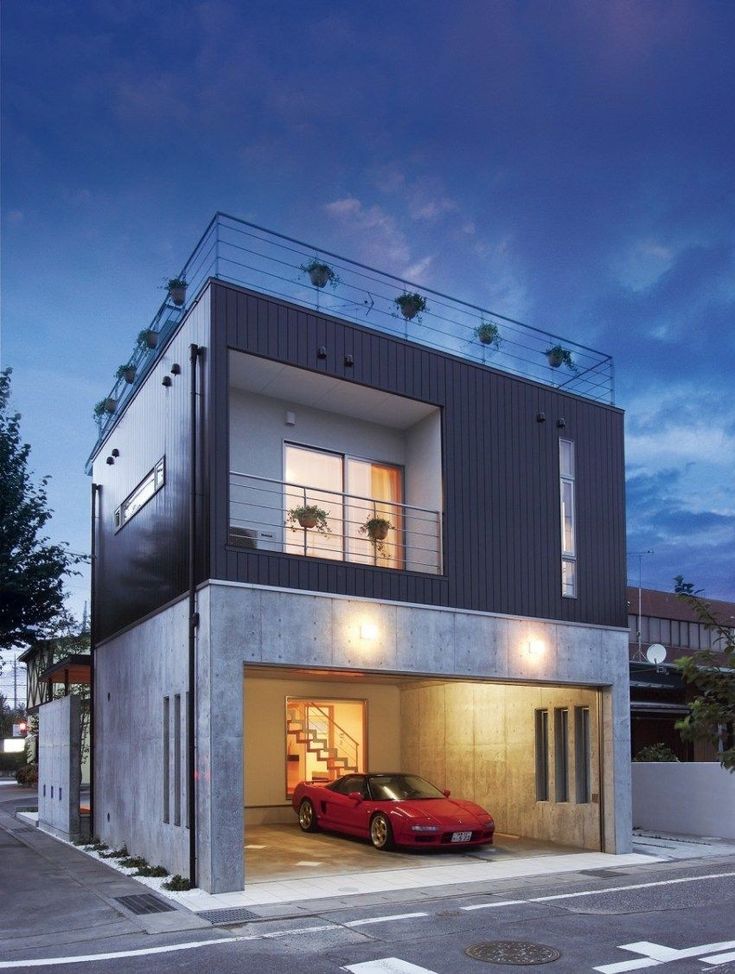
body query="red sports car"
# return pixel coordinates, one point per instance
(391, 810)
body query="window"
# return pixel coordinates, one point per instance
(351, 491)
(561, 744)
(166, 758)
(568, 533)
(325, 739)
(148, 486)
(542, 755)
(582, 753)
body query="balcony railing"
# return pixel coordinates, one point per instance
(270, 263)
(265, 515)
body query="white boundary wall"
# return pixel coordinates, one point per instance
(686, 798)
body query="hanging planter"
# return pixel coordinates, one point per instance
(147, 339)
(410, 304)
(377, 528)
(309, 517)
(320, 274)
(177, 291)
(487, 333)
(557, 356)
(104, 407)
(127, 372)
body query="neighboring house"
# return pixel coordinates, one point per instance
(478, 640)
(658, 695)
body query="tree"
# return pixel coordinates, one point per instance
(711, 672)
(684, 588)
(32, 569)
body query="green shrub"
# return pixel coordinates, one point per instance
(151, 871)
(116, 854)
(177, 883)
(133, 862)
(656, 752)
(27, 775)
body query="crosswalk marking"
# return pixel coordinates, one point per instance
(386, 965)
(654, 955)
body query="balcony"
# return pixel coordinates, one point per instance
(268, 515)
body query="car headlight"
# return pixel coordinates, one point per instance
(424, 828)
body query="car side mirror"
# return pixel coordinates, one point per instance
(446, 793)
(355, 795)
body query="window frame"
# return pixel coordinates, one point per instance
(568, 555)
(158, 475)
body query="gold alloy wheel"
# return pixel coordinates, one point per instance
(306, 815)
(380, 832)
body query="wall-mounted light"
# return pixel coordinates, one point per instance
(321, 351)
(368, 630)
(561, 423)
(290, 418)
(176, 369)
(109, 461)
(116, 452)
(349, 361)
(535, 648)
(540, 417)
(166, 381)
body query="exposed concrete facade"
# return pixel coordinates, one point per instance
(59, 766)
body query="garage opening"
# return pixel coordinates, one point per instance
(527, 753)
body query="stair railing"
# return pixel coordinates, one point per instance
(344, 740)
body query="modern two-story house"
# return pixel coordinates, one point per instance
(336, 530)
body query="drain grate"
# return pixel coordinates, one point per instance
(514, 952)
(228, 916)
(603, 873)
(141, 903)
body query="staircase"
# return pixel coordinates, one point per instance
(314, 734)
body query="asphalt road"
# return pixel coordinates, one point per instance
(588, 918)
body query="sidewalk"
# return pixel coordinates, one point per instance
(76, 897)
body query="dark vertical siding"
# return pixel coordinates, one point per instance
(502, 528)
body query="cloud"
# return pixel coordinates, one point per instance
(15, 217)
(373, 231)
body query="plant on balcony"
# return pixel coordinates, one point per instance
(487, 333)
(377, 528)
(147, 339)
(309, 516)
(127, 372)
(410, 304)
(558, 355)
(320, 274)
(108, 405)
(176, 287)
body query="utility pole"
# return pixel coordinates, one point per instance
(15, 682)
(639, 555)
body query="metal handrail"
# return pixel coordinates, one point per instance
(331, 720)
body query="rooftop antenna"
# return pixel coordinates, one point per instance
(639, 555)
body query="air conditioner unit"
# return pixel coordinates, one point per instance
(243, 537)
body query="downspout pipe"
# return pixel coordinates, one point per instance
(96, 490)
(194, 353)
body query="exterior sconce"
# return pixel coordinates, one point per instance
(349, 360)
(110, 461)
(166, 381)
(176, 369)
(561, 423)
(116, 452)
(369, 631)
(290, 418)
(321, 351)
(535, 648)
(540, 417)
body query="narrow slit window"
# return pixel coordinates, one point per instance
(542, 755)
(561, 752)
(568, 526)
(166, 758)
(138, 498)
(582, 753)
(177, 759)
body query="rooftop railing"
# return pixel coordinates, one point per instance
(270, 263)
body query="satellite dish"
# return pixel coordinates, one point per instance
(656, 654)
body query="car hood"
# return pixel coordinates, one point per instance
(444, 812)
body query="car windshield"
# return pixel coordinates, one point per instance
(400, 787)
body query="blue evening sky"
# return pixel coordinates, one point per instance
(570, 164)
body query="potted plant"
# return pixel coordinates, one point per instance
(377, 528)
(487, 333)
(410, 304)
(127, 372)
(147, 339)
(320, 274)
(308, 516)
(177, 290)
(558, 355)
(108, 405)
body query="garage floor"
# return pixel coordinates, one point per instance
(284, 852)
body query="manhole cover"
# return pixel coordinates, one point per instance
(516, 952)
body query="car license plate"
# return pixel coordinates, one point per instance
(461, 836)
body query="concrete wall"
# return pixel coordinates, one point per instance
(478, 739)
(265, 741)
(133, 673)
(59, 775)
(686, 798)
